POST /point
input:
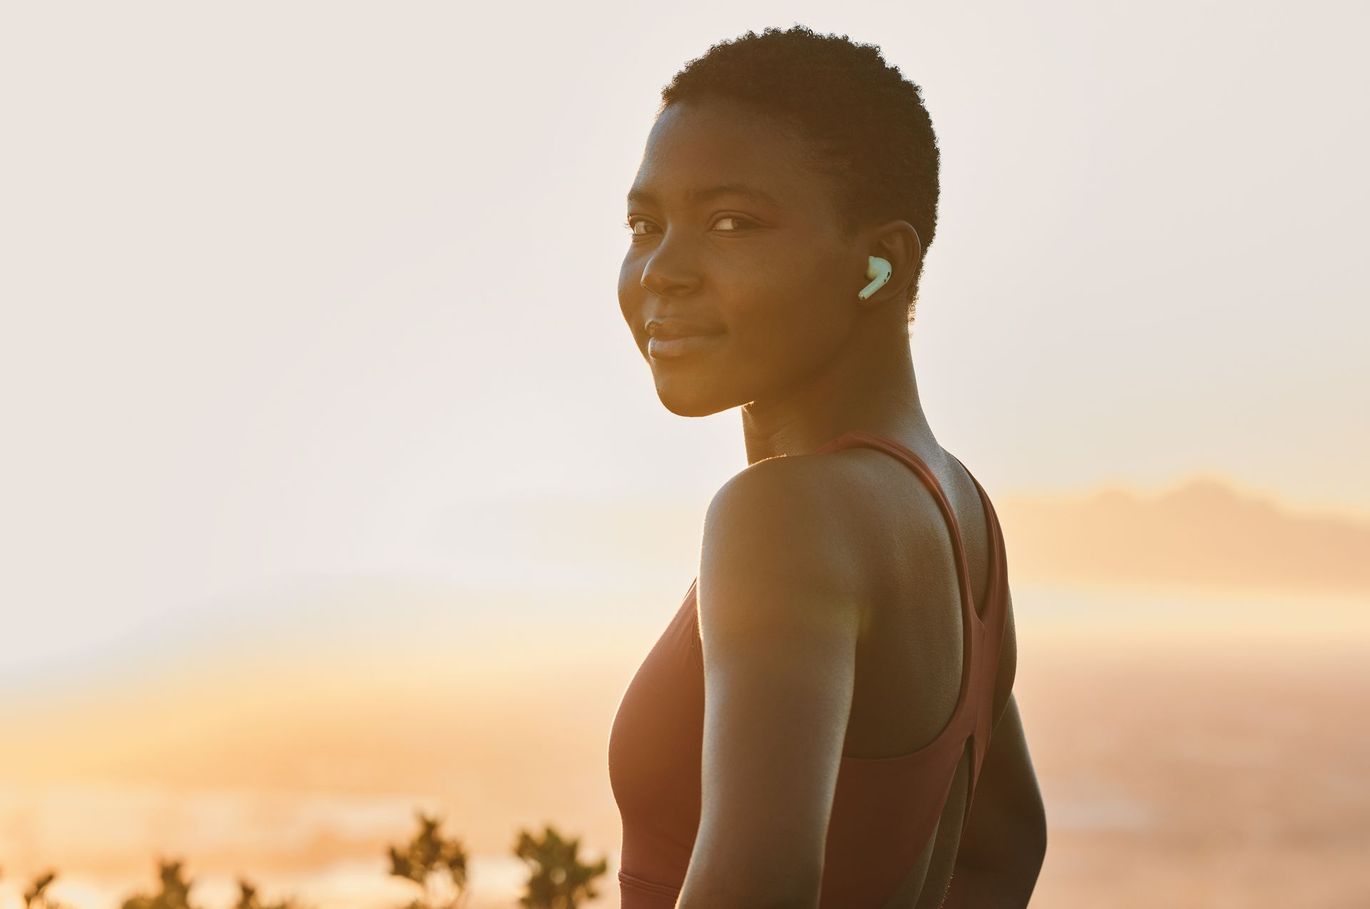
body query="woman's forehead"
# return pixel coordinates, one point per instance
(699, 149)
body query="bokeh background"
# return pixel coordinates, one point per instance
(333, 487)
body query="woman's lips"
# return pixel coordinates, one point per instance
(671, 348)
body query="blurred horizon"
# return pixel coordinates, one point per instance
(1192, 536)
(296, 770)
(273, 754)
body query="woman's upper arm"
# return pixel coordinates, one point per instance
(779, 615)
(1005, 838)
(1007, 811)
(1004, 841)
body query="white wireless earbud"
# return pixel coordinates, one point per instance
(879, 269)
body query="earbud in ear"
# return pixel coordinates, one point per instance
(879, 269)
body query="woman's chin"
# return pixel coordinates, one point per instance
(690, 403)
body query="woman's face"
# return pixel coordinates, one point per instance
(735, 236)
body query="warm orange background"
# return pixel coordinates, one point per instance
(335, 488)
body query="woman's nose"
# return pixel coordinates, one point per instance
(667, 275)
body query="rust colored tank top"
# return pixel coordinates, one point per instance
(885, 810)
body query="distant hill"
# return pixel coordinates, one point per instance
(1201, 533)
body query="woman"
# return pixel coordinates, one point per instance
(836, 685)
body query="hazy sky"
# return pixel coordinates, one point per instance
(291, 291)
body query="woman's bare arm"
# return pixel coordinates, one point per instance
(1005, 839)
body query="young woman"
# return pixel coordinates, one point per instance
(828, 721)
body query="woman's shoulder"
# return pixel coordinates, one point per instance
(830, 495)
(832, 511)
(788, 501)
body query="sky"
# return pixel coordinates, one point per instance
(288, 286)
(309, 325)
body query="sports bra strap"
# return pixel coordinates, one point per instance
(857, 437)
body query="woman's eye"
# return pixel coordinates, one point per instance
(734, 222)
(743, 222)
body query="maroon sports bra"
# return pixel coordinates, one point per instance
(884, 810)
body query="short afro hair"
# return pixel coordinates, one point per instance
(865, 123)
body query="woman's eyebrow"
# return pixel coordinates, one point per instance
(643, 197)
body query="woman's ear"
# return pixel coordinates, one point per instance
(896, 243)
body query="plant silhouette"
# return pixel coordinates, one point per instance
(175, 892)
(557, 879)
(437, 865)
(36, 896)
(248, 899)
